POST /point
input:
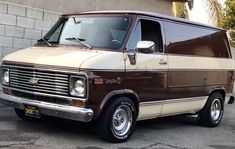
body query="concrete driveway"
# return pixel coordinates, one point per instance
(163, 133)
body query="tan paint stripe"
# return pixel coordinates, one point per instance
(199, 63)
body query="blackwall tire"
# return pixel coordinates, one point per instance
(212, 113)
(117, 122)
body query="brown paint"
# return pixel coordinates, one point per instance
(148, 14)
(98, 92)
(199, 42)
(158, 85)
(154, 86)
(183, 84)
(149, 85)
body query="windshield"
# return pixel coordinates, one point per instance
(90, 31)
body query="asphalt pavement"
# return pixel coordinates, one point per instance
(180, 132)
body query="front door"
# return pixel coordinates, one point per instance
(146, 73)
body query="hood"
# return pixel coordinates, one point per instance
(58, 56)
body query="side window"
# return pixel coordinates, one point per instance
(135, 38)
(187, 39)
(147, 31)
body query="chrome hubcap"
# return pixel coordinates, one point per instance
(215, 109)
(122, 120)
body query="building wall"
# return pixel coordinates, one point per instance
(65, 6)
(22, 26)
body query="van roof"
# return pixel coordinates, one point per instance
(142, 13)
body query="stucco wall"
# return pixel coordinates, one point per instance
(65, 6)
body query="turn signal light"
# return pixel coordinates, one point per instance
(78, 103)
(6, 91)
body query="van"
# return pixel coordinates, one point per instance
(118, 67)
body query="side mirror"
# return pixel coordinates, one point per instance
(146, 46)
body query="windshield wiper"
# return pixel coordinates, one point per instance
(45, 41)
(80, 41)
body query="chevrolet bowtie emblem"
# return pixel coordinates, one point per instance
(34, 81)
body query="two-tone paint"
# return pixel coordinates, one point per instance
(160, 84)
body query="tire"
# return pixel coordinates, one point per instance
(212, 113)
(117, 121)
(21, 115)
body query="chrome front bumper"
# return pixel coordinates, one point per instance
(62, 111)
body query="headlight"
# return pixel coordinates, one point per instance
(78, 86)
(5, 76)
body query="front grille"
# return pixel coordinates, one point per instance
(46, 81)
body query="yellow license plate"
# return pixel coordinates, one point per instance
(32, 111)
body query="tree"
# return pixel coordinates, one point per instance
(215, 10)
(213, 7)
(179, 10)
(229, 19)
(224, 18)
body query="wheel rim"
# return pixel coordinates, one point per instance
(122, 121)
(215, 109)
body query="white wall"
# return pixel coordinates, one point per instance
(65, 6)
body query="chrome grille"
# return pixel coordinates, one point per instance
(47, 82)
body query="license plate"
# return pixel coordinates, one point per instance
(32, 111)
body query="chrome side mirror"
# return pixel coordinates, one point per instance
(145, 46)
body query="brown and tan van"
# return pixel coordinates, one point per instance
(117, 67)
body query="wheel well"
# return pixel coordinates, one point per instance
(132, 97)
(221, 91)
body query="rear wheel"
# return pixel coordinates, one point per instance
(212, 113)
(118, 120)
(21, 115)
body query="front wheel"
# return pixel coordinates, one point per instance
(211, 115)
(118, 120)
